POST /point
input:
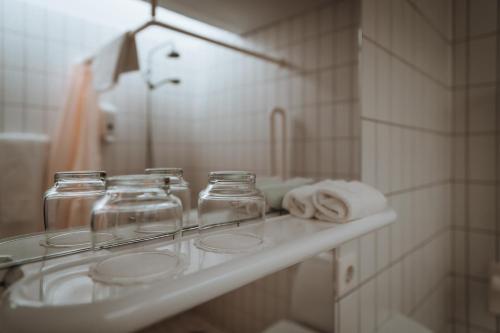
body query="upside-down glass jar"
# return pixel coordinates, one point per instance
(136, 208)
(179, 187)
(231, 213)
(67, 207)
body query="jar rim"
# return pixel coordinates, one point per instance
(165, 171)
(79, 175)
(138, 181)
(231, 176)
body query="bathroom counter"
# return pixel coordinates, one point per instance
(47, 301)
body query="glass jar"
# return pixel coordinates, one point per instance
(179, 187)
(67, 207)
(136, 208)
(231, 212)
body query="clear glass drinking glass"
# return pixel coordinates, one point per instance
(67, 207)
(231, 212)
(135, 208)
(179, 187)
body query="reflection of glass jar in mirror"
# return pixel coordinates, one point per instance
(231, 212)
(68, 205)
(179, 187)
(135, 208)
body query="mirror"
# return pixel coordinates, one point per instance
(192, 104)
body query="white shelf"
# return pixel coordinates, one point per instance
(207, 275)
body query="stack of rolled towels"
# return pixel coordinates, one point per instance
(336, 201)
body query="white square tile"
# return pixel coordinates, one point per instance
(344, 42)
(311, 55)
(479, 314)
(409, 296)
(343, 117)
(383, 297)
(368, 81)
(311, 24)
(483, 16)
(396, 288)
(35, 89)
(368, 303)
(36, 24)
(384, 170)
(482, 60)
(55, 26)
(13, 86)
(344, 12)
(368, 18)
(326, 86)
(383, 248)
(368, 265)
(348, 314)
(482, 157)
(35, 121)
(482, 109)
(326, 50)
(326, 18)
(13, 50)
(343, 83)
(481, 253)
(482, 206)
(14, 15)
(13, 118)
(35, 54)
(459, 254)
(326, 158)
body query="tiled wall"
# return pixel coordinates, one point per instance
(406, 116)
(476, 169)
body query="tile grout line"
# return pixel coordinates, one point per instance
(467, 296)
(406, 62)
(497, 157)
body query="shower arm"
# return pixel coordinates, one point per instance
(147, 75)
(154, 22)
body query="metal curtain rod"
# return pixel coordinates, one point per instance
(154, 22)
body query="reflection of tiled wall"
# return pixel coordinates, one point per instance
(231, 118)
(38, 46)
(476, 169)
(405, 116)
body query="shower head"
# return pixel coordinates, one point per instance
(174, 81)
(173, 54)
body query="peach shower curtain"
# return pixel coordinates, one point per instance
(75, 143)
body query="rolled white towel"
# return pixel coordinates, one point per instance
(299, 201)
(340, 201)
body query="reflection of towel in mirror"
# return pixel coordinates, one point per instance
(117, 57)
(23, 158)
(275, 191)
(76, 136)
(340, 201)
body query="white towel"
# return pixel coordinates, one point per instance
(299, 201)
(23, 159)
(115, 58)
(340, 201)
